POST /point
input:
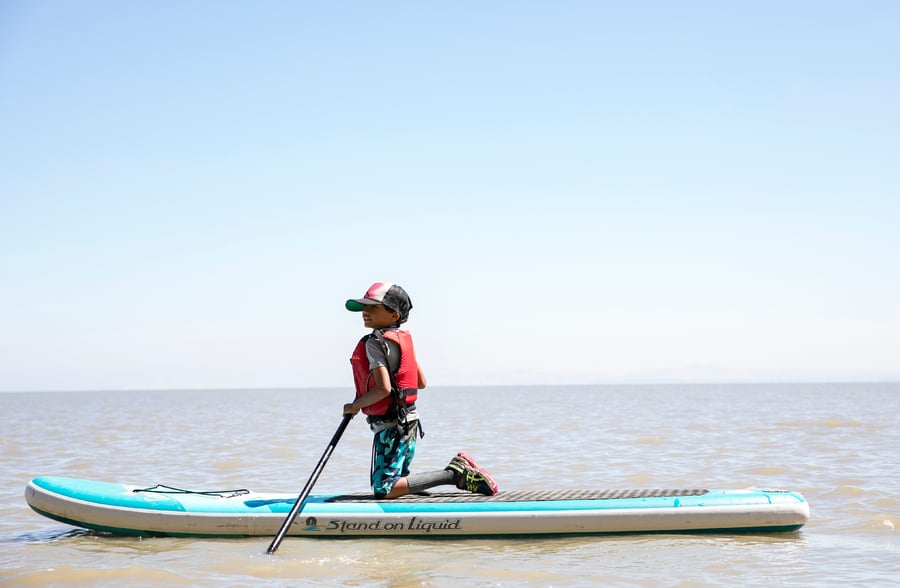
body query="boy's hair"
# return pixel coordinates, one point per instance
(391, 296)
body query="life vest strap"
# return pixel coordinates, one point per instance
(399, 407)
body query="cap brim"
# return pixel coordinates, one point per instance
(360, 303)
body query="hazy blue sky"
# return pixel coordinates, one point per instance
(570, 191)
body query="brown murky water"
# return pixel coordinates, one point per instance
(836, 443)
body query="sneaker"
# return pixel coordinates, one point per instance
(468, 475)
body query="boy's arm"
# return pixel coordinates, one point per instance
(381, 390)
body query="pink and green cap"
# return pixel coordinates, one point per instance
(392, 296)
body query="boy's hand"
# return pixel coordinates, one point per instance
(350, 409)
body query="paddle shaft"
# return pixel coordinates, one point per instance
(298, 506)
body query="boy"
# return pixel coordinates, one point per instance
(388, 379)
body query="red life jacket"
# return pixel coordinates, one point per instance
(406, 376)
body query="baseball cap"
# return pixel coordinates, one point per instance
(392, 296)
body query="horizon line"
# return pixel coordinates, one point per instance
(486, 385)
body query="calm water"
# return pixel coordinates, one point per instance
(836, 443)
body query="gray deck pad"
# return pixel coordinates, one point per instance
(523, 496)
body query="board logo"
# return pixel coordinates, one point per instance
(415, 524)
(311, 524)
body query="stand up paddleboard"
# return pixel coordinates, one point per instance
(167, 511)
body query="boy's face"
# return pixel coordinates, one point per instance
(379, 317)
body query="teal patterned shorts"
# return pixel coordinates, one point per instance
(393, 450)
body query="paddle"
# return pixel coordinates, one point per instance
(298, 506)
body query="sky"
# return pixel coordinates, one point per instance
(575, 192)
